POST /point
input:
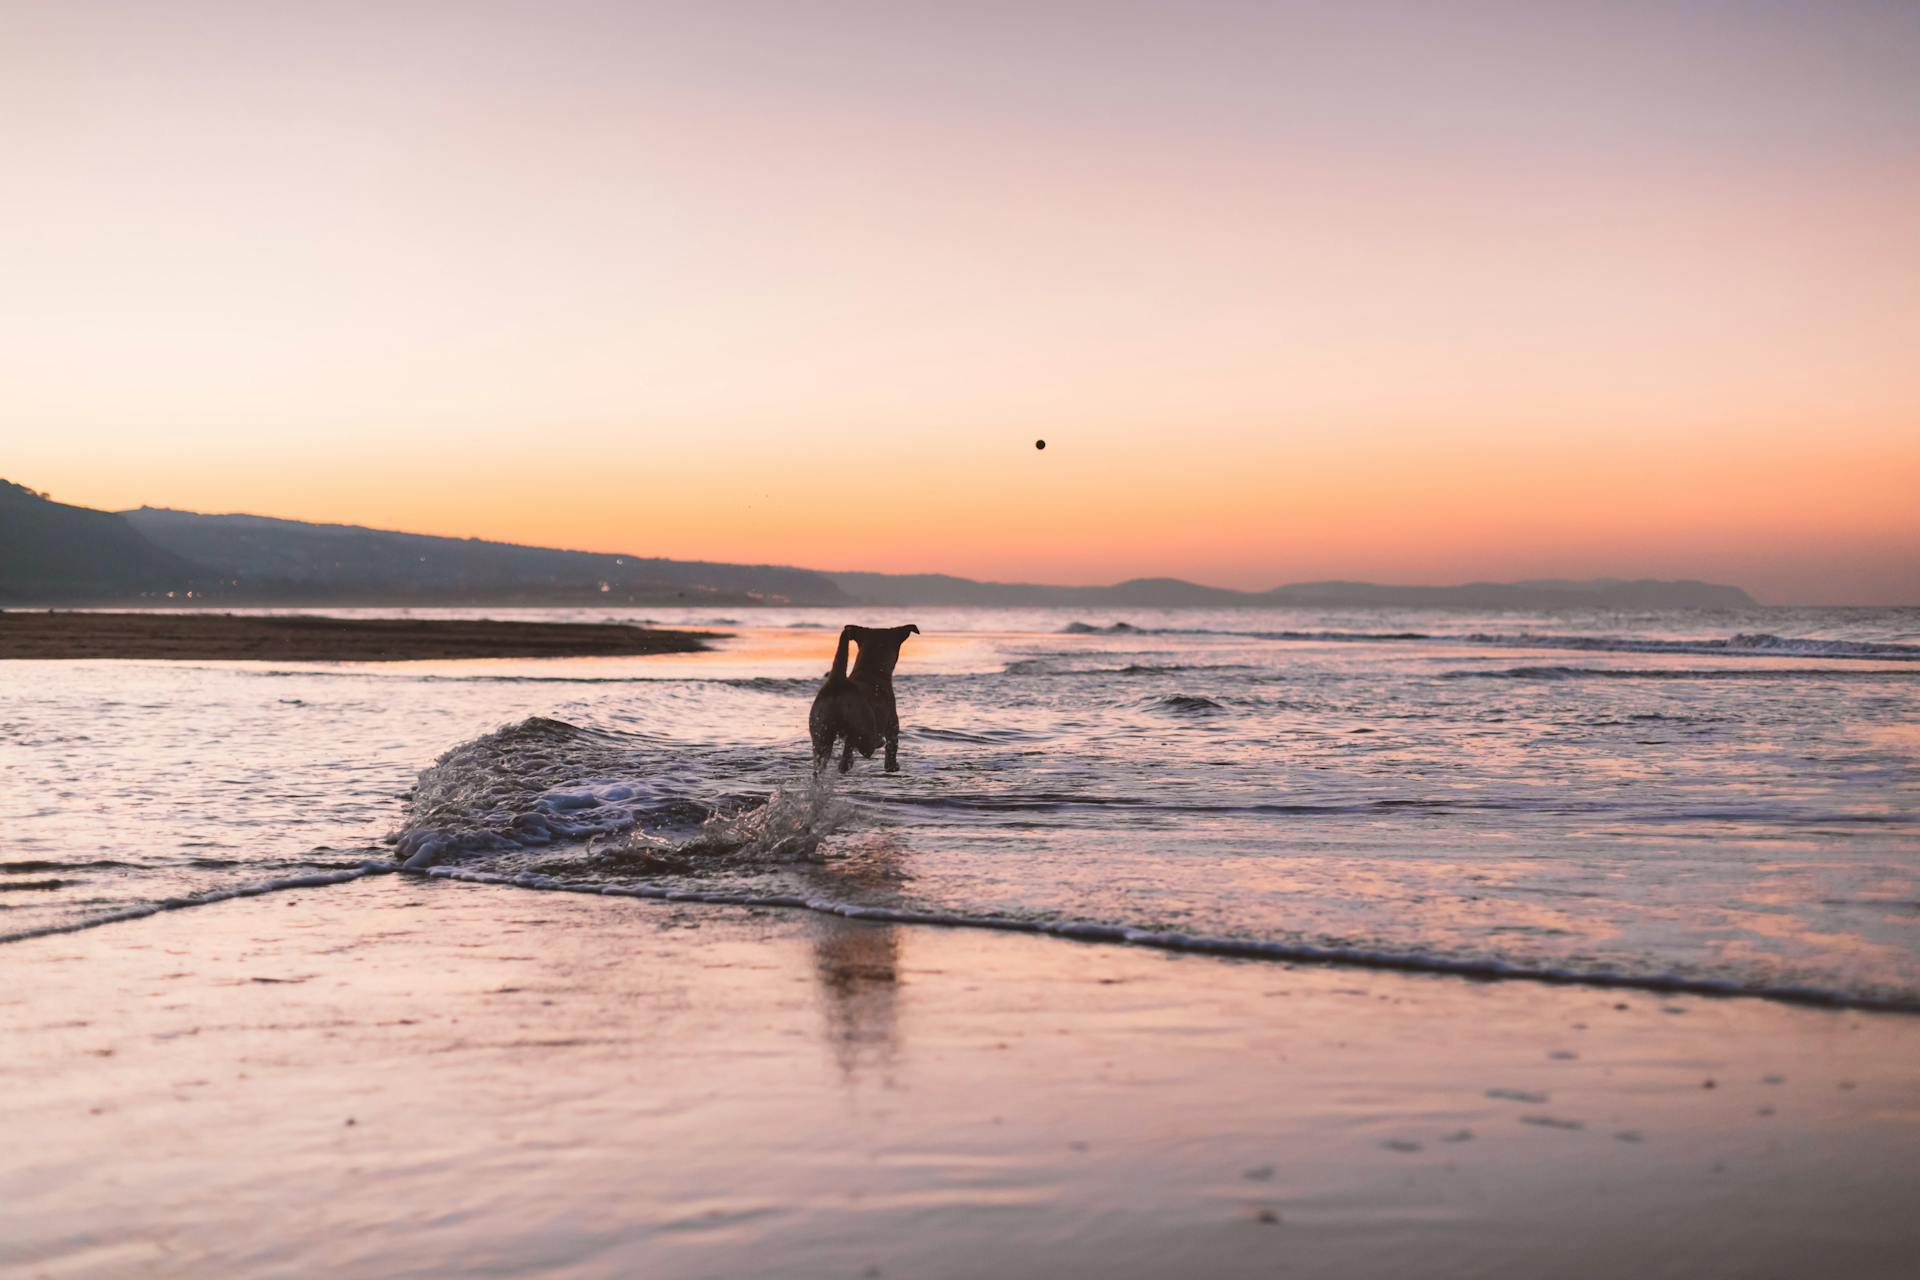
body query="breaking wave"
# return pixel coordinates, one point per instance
(626, 800)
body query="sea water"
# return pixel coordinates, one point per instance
(1709, 801)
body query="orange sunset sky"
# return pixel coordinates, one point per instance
(1417, 292)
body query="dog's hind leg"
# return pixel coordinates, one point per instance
(890, 728)
(846, 754)
(820, 728)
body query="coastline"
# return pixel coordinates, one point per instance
(411, 1076)
(214, 637)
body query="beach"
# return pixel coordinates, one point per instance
(260, 637)
(405, 1076)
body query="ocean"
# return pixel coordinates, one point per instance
(1686, 801)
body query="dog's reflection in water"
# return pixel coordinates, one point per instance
(856, 963)
(857, 966)
(857, 707)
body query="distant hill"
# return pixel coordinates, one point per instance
(293, 560)
(940, 588)
(1595, 593)
(1173, 593)
(52, 553)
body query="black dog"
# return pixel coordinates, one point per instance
(860, 707)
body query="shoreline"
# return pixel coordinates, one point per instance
(1220, 946)
(1281, 955)
(208, 637)
(425, 1076)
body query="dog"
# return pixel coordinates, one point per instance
(858, 707)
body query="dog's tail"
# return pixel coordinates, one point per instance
(840, 655)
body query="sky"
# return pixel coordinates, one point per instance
(1407, 292)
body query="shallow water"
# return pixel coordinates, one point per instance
(1709, 798)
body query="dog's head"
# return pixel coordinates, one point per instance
(880, 646)
(877, 634)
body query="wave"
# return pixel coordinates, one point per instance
(257, 888)
(1128, 629)
(32, 865)
(609, 803)
(1188, 704)
(990, 736)
(1742, 645)
(773, 684)
(1291, 952)
(625, 798)
(522, 786)
(1062, 664)
(1674, 673)
(1206, 944)
(545, 804)
(1648, 814)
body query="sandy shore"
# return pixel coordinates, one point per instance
(212, 637)
(401, 1077)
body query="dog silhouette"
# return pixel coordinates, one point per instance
(857, 707)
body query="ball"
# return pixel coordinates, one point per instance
(1039, 444)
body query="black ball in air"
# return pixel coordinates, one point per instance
(1039, 444)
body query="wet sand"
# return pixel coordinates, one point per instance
(409, 1077)
(215, 637)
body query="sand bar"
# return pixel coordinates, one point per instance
(409, 1077)
(219, 637)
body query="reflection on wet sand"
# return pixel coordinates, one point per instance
(857, 962)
